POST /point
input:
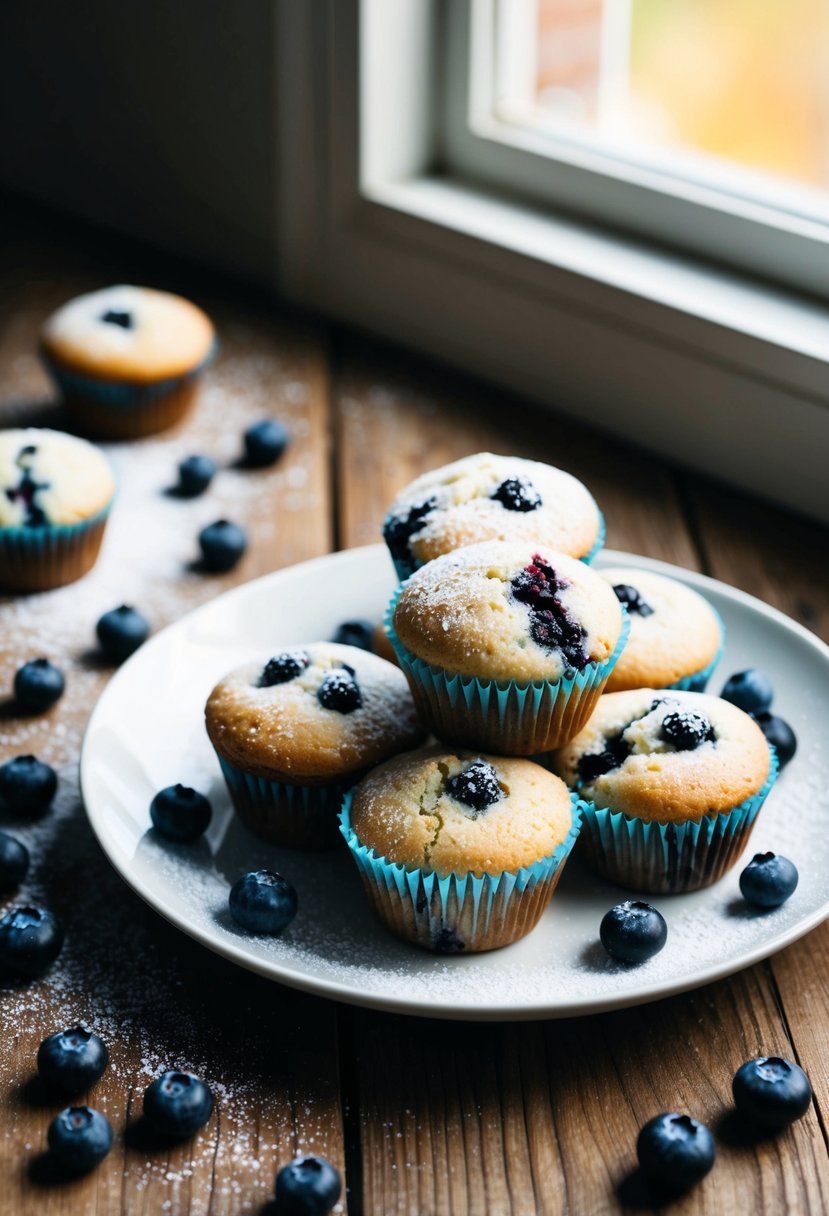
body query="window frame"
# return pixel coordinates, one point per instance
(702, 365)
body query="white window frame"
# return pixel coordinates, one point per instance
(700, 364)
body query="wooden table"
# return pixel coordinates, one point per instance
(422, 1117)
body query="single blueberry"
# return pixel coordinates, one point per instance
(518, 494)
(309, 1186)
(117, 316)
(595, 764)
(633, 931)
(222, 545)
(399, 529)
(262, 902)
(749, 690)
(283, 667)
(27, 784)
(355, 633)
(768, 880)
(180, 813)
(30, 940)
(340, 691)
(72, 1060)
(771, 1091)
(675, 1150)
(632, 599)
(79, 1138)
(779, 734)
(265, 442)
(14, 862)
(38, 685)
(120, 632)
(686, 730)
(476, 786)
(195, 475)
(177, 1104)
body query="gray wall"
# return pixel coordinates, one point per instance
(156, 117)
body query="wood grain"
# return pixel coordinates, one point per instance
(158, 999)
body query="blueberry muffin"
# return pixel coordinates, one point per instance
(127, 359)
(292, 734)
(507, 646)
(487, 497)
(460, 851)
(676, 637)
(672, 784)
(55, 495)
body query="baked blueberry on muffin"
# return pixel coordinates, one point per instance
(507, 646)
(55, 495)
(672, 783)
(127, 359)
(487, 497)
(459, 851)
(676, 637)
(293, 733)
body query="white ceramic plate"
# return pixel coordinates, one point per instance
(147, 732)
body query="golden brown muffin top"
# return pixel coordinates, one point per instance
(407, 812)
(653, 775)
(312, 727)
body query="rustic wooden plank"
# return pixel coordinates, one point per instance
(544, 1117)
(158, 999)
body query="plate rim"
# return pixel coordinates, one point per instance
(337, 990)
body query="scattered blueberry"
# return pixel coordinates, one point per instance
(14, 862)
(222, 545)
(355, 633)
(476, 786)
(632, 599)
(309, 1186)
(633, 931)
(37, 685)
(27, 784)
(180, 813)
(177, 1104)
(265, 442)
(686, 730)
(675, 1150)
(79, 1138)
(262, 902)
(340, 691)
(779, 734)
(749, 690)
(195, 475)
(768, 880)
(399, 529)
(30, 940)
(283, 667)
(120, 632)
(72, 1060)
(518, 494)
(596, 764)
(117, 316)
(552, 626)
(771, 1091)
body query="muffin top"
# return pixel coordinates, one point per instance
(508, 610)
(674, 632)
(312, 713)
(487, 497)
(47, 477)
(667, 756)
(128, 333)
(461, 812)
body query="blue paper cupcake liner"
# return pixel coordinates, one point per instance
(458, 912)
(405, 569)
(697, 681)
(284, 813)
(669, 858)
(506, 717)
(50, 555)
